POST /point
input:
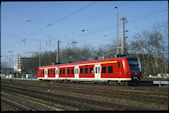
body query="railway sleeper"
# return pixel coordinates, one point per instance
(82, 100)
(64, 96)
(67, 102)
(132, 98)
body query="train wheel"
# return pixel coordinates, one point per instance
(133, 83)
(103, 83)
(74, 82)
(80, 82)
(60, 81)
(124, 83)
(109, 82)
(115, 83)
(95, 82)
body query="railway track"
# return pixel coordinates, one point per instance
(156, 98)
(137, 96)
(139, 89)
(39, 104)
(16, 105)
(75, 101)
(149, 91)
(141, 96)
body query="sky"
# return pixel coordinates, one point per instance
(27, 25)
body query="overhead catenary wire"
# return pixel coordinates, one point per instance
(46, 26)
(29, 19)
(108, 28)
(98, 30)
(62, 18)
(154, 13)
(137, 19)
(107, 35)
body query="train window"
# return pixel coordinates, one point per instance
(51, 72)
(91, 70)
(132, 59)
(72, 71)
(81, 70)
(104, 69)
(43, 72)
(86, 70)
(68, 71)
(54, 72)
(96, 69)
(48, 72)
(64, 71)
(118, 64)
(110, 69)
(60, 71)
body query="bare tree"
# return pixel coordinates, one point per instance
(151, 45)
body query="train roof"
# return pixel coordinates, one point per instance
(84, 62)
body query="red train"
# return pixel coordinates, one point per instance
(121, 69)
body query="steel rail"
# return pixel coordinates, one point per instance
(133, 97)
(16, 104)
(89, 100)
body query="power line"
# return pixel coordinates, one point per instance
(100, 13)
(131, 20)
(95, 30)
(92, 17)
(86, 7)
(64, 17)
(29, 20)
(154, 13)
(106, 35)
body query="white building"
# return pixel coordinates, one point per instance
(16, 68)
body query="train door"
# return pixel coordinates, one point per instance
(97, 71)
(46, 73)
(118, 68)
(76, 72)
(57, 72)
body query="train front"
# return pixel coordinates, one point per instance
(135, 67)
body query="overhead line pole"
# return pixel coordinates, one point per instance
(123, 36)
(39, 53)
(57, 56)
(117, 41)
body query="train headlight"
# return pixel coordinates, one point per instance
(134, 77)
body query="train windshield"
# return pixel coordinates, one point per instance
(134, 64)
